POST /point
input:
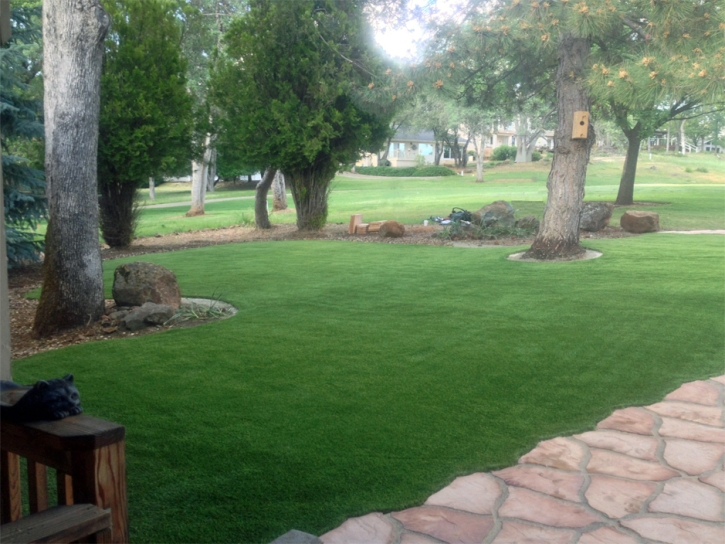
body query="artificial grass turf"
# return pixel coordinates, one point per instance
(364, 377)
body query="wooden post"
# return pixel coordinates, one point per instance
(99, 477)
(11, 507)
(64, 483)
(37, 487)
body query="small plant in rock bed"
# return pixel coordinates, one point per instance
(460, 230)
(192, 311)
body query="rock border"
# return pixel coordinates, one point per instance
(588, 255)
(229, 310)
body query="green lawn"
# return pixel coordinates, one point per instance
(364, 377)
(693, 200)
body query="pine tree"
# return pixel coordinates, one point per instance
(21, 127)
(145, 124)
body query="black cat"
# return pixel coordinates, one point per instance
(46, 400)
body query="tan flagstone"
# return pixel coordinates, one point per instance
(515, 532)
(699, 392)
(606, 535)
(617, 497)
(692, 457)
(679, 428)
(447, 525)
(719, 379)
(476, 493)
(531, 506)
(688, 498)
(623, 466)
(409, 538)
(676, 531)
(563, 453)
(370, 529)
(634, 445)
(707, 415)
(629, 420)
(716, 479)
(558, 484)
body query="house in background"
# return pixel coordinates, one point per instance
(408, 146)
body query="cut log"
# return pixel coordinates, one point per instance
(355, 220)
(361, 228)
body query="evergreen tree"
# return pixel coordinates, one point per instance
(21, 128)
(145, 124)
(289, 89)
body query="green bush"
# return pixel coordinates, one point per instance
(434, 171)
(407, 172)
(688, 170)
(536, 156)
(504, 152)
(701, 169)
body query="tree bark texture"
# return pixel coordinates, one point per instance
(211, 172)
(118, 212)
(279, 190)
(261, 216)
(73, 35)
(558, 235)
(152, 189)
(310, 189)
(683, 143)
(625, 195)
(5, 360)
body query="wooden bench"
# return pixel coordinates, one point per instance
(58, 524)
(89, 457)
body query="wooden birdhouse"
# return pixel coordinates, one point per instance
(581, 125)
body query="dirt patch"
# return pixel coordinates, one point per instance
(22, 280)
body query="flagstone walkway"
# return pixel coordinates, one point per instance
(650, 474)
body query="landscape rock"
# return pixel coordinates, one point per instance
(595, 216)
(499, 213)
(528, 222)
(640, 222)
(392, 229)
(137, 283)
(148, 314)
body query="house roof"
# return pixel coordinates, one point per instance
(405, 134)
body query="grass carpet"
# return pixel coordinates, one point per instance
(364, 377)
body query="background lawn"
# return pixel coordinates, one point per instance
(364, 377)
(684, 200)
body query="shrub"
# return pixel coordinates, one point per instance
(536, 156)
(688, 170)
(407, 172)
(701, 169)
(434, 171)
(504, 152)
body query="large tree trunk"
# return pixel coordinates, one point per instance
(211, 172)
(261, 215)
(558, 236)
(152, 189)
(310, 189)
(199, 175)
(73, 35)
(683, 142)
(5, 361)
(625, 196)
(118, 213)
(480, 145)
(280, 193)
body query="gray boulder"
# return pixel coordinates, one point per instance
(528, 222)
(296, 537)
(148, 314)
(595, 216)
(137, 283)
(499, 213)
(640, 222)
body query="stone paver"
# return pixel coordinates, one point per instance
(654, 473)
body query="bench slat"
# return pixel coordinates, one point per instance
(57, 524)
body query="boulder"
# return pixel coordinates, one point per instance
(148, 314)
(137, 283)
(639, 222)
(392, 229)
(499, 213)
(528, 222)
(595, 216)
